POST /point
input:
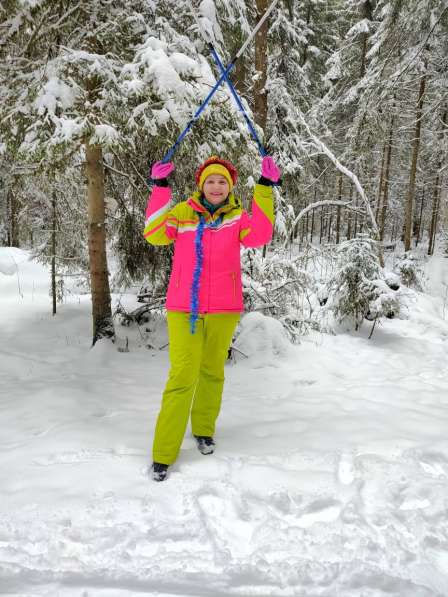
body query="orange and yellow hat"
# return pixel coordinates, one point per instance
(216, 165)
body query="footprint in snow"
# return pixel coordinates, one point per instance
(435, 469)
(323, 510)
(346, 469)
(415, 504)
(71, 457)
(434, 463)
(83, 456)
(303, 382)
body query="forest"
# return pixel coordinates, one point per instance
(327, 474)
(348, 95)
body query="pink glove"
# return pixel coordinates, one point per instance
(160, 170)
(269, 169)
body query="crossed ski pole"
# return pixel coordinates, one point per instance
(225, 71)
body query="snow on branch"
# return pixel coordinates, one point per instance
(325, 150)
(311, 206)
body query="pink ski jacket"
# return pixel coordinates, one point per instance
(220, 288)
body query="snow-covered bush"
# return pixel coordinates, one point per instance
(261, 337)
(359, 288)
(384, 301)
(279, 286)
(410, 271)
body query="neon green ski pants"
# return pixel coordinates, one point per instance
(195, 380)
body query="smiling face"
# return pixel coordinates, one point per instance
(216, 189)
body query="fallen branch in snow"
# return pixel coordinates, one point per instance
(238, 350)
(373, 327)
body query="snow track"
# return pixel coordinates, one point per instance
(330, 477)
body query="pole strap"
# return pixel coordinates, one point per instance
(224, 77)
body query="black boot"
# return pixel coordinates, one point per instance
(159, 471)
(206, 444)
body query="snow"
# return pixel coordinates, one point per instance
(330, 476)
(209, 21)
(67, 129)
(159, 69)
(360, 27)
(54, 94)
(8, 263)
(105, 135)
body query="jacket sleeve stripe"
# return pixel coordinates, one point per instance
(157, 214)
(256, 230)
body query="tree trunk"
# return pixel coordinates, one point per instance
(420, 218)
(434, 216)
(240, 71)
(321, 224)
(366, 13)
(53, 251)
(350, 215)
(99, 280)
(338, 215)
(312, 227)
(394, 230)
(380, 186)
(304, 57)
(386, 180)
(13, 216)
(312, 216)
(261, 67)
(413, 171)
(436, 194)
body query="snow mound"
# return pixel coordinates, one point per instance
(9, 258)
(262, 337)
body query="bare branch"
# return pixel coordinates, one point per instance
(317, 204)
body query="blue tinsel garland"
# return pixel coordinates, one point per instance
(194, 308)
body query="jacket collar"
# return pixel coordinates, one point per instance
(195, 203)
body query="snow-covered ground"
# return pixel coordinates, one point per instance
(330, 476)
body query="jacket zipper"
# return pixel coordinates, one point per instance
(234, 284)
(210, 236)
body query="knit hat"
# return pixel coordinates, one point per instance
(216, 165)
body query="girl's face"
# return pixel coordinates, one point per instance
(216, 188)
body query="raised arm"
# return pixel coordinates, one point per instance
(256, 230)
(161, 221)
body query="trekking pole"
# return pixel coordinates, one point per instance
(224, 73)
(167, 157)
(223, 77)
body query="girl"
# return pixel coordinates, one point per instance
(204, 298)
